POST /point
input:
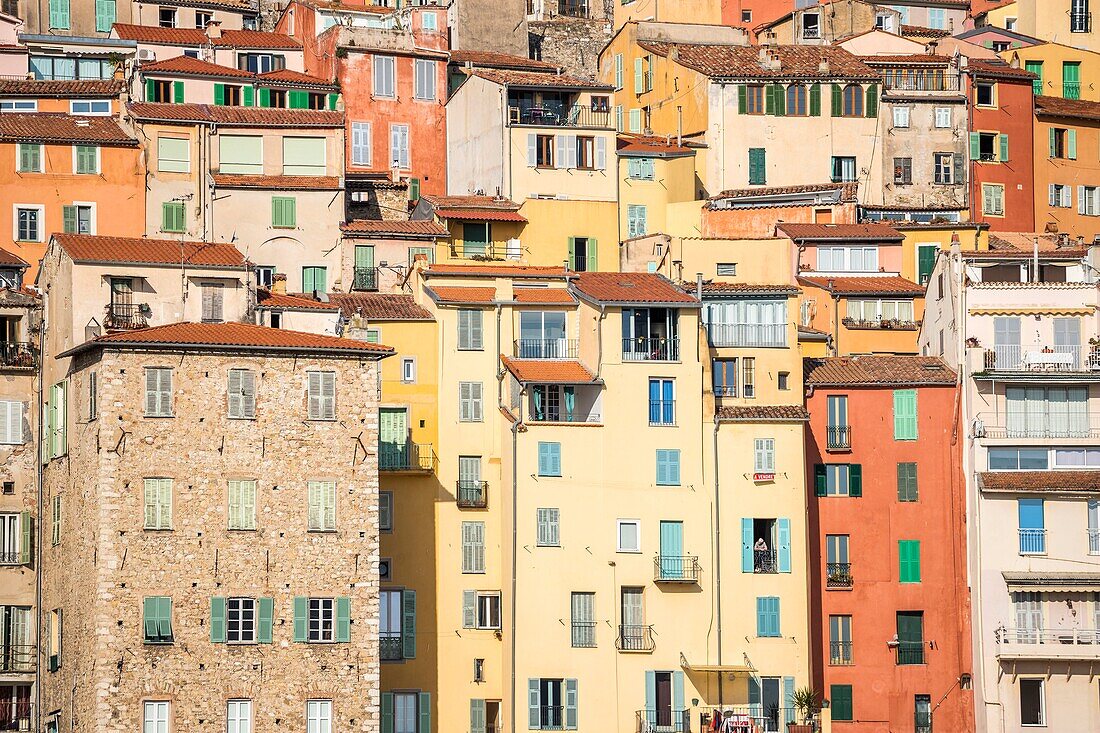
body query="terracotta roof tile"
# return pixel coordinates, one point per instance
(471, 202)
(853, 232)
(743, 62)
(197, 37)
(906, 58)
(877, 370)
(48, 88)
(542, 296)
(655, 146)
(380, 306)
(194, 67)
(229, 336)
(548, 371)
(871, 285)
(1041, 481)
(137, 250)
(716, 287)
(226, 4)
(267, 299)
(764, 413)
(988, 68)
(286, 183)
(630, 287)
(49, 127)
(235, 116)
(534, 79)
(397, 228)
(481, 214)
(920, 31)
(10, 259)
(1079, 109)
(289, 76)
(848, 190)
(462, 294)
(496, 60)
(509, 271)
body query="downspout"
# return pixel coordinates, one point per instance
(836, 324)
(599, 340)
(718, 556)
(40, 491)
(512, 620)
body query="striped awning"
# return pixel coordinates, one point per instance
(1033, 311)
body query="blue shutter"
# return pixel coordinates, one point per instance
(650, 695)
(773, 618)
(544, 458)
(678, 699)
(1031, 513)
(654, 401)
(746, 545)
(761, 616)
(788, 699)
(555, 459)
(784, 531)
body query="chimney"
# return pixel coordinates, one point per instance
(932, 46)
(763, 54)
(278, 283)
(823, 66)
(214, 30)
(699, 285)
(674, 53)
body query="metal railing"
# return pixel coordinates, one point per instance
(365, 278)
(11, 557)
(390, 646)
(18, 658)
(635, 638)
(651, 349)
(407, 457)
(555, 348)
(763, 561)
(653, 720)
(759, 719)
(662, 412)
(1033, 541)
(583, 634)
(125, 316)
(18, 354)
(551, 717)
(884, 324)
(838, 437)
(552, 414)
(811, 33)
(1021, 424)
(1051, 637)
(479, 251)
(1041, 358)
(472, 494)
(17, 714)
(1071, 90)
(1080, 22)
(577, 115)
(761, 335)
(1094, 541)
(838, 575)
(905, 82)
(840, 653)
(676, 569)
(910, 652)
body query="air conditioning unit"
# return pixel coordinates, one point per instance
(146, 55)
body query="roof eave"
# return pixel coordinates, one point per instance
(372, 354)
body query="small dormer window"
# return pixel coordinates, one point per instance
(167, 17)
(811, 25)
(9, 279)
(202, 18)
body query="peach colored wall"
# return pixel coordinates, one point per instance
(760, 222)
(847, 341)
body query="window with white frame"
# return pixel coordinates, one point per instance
(943, 117)
(424, 83)
(158, 391)
(901, 116)
(385, 72)
(1033, 701)
(238, 716)
(944, 168)
(873, 310)
(488, 610)
(322, 620)
(847, 259)
(1088, 200)
(158, 503)
(993, 199)
(469, 402)
(473, 547)
(629, 535)
(360, 143)
(156, 716)
(28, 223)
(750, 322)
(399, 146)
(764, 455)
(242, 504)
(321, 390)
(319, 716)
(173, 154)
(241, 394)
(11, 422)
(18, 105)
(240, 620)
(408, 370)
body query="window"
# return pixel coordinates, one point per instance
(428, 21)
(629, 533)
(544, 151)
(1032, 702)
(903, 171)
(303, 156)
(936, 18)
(321, 393)
(238, 713)
(360, 143)
(1063, 143)
(662, 403)
(320, 625)
(57, 428)
(28, 223)
(488, 610)
(783, 380)
(240, 617)
(748, 377)
(552, 704)
(242, 505)
(838, 479)
(385, 511)
(985, 94)
(746, 16)
(243, 154)
(1060, 196)
(549, 459)
(725, 377)
(547, 527)
(173, 154)
(202, 19)
(639, 169)
(1088, 200)
(167, 17)
(212, 302)
(909, 561)
(157, 619)
(758, 168)
(840, 640)
(319, 716)
(907, 482)
(78, 219)
(873, 311)
(905, 414)
(314, 279)
(384, 76)
(55, 520)
(1071, 79)
(852, 101)
(910, 635)
(583, 253)
(811, 25)
(767, 616)
(754, 99)
(473, 547)
(260, 63)
(943, 117)
(156, 714)
(284, 213)
(158, 503)
(1032, 526)
(944, 168)
(668, 467)
(635, 220)
(11, 422)
(901, 117)
(796, 100)
(993, 199)
(726, 269)
(399, 146)
(469, 330)
(469, 401)
(583, 620)
(586, 152)
(172, 217)
(840, 698)
(30, 157)
(764, 455)
(424, 83)
(104, 15)
(321, 515)
(844, 168)
(241, 394)
(408, 370)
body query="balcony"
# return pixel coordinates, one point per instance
(482, 251)
(1071, 89)
(390, 646)
(764, 563)
(840, 653)
(880, 324)
(365, 278)
(909, 652)
(17, 658)
(907, 81)
(758, 719)
(634, 638)
(651, 349)
(662, 412)
(1036, 426)
(126, 316)
(1033, 541)
(583, 635)
(665, 721)
(838, 437)
(471, 494)
(17, 355)
(750, 335)
(838, 575)
(1077, 643)
(552, 115)
(13, 557)
(554, 348)
(1041, 358)
(1080, 22)
(676, 569)
(1094, 541)
(17, 714)
(408, 457)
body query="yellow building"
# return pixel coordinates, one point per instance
(1062, 71)
(1063, 21)
(1067, 171)
(654, 175)
(685, 11)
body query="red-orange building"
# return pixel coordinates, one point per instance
(1001, 105)
(891, 629)
(748, 14)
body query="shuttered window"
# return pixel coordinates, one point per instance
(172, 217)
(303, 156)
(757, 166)
(173, 155)
(158, 392)
(767, 616)
(322, 506)
(473, 547)
(399, 146)
(549, 459)
(469, 402)
(909, 561)
(547, 519)
(55, 521)
(764, 455)
(242, 505)
(158, 503)
(322, 395)
(905, 414)
(30, 158)
(11, 422)
(59, 14)
(241, 396)
(668, 466)
(907, 482)
(157, 619)
(385, 511)
(104, 15)
(470, 336)
(424, 87)
(640, 169)
(86, 159)
(384, 76)
(360, 143)
(242, 154)
(213, 300)
(840, 697)
(284, 212)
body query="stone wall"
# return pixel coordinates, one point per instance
(377, 200)
(572, 43)
(106, 562)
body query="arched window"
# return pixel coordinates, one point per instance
(853, 100)
(796, 100)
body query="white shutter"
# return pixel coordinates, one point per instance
(329, 488)
(552, 523)
(314, 392)
(601, 153)
(1080, 199)
(1052, 195)
(164, 391)
(248, 393)
(328, 395)
(1067, 197)
(360, 143)
(513, 250)
(464, 411)
(561, 157)
(233, 393)
(571, 151)
(532, 150)
(11, 422)
(475, 401)
(314, 509)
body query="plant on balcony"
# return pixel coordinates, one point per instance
(973, 343)
(807, 702)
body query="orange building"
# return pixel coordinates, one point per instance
(888, 593)
(1067, 166)
(70, 173)
(868, 314)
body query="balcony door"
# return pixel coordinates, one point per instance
(837, 428)
(475, 239)
(389, 627)
(542, 335)
(672, 549)
(910, 637)
(363, 277)
(1029, 617)
(393, 427)
(632, 612)
(1006, 342)
(122, 300)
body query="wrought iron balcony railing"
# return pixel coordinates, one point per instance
(126, 316)
(18, 355)
(651, 349)
(18, 658)
(840, 653)
(577, 115)
(666, 721)
(407, 457)
(583, 634)
(838, 437)
(365, 278)
(910, 652)
(17, 714)
(838, 575)
(472, 494)
(662, 412)
(552, 348)
(635, 638)
(390, 646)
(763, 562)
(676, 569)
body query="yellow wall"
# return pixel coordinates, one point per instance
(552, 222)
(1053, 56)
(499, 234)
(682, 11)
(999, 16)
(673, 182)
(970, 238)
(1083, 170)
(1049, 20)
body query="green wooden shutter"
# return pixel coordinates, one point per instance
(150, 612)
(769, 99)
(301, 619)
(408, 624)
(387, 712)
(838, 101)
(284, 212)
(217, 620)
(414, 190)
(26, 527)
(572, 253)
(150, 90)
(757, 166)
(298, 99)
(177, 92)
(909, 561)
(905, 414)
(593, 261)
(424, 700)
(343, 619)
(164, 618)
(871, 108)
(975, 146)
(815, 100)
(1052, 140)
(266, 619)
(264, 97)
(477, 716)
(821, 480)
(248, 95)
(68, 219)
(1003, 139)
(780, 94)
(219, 94)
(855, 480)
(742, 99)
(1071, 144)
(841, 701)
(332, 99)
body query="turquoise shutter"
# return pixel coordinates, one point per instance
(425, 707)
(905, 414)
(477, 716)
(1004, 148)
(308, 280)
(555, 459)
(343, 619)
(408, 624)
(662, 467)
(674, 466)
(387, 712)
(784, 541)
(266, 619)
(248, 95)
(219, 94)
(678, 708)
(754, 697)
(761, 616)
(150, 613)
(788, 698)
(757, 166)
(821, 480)
(301, 618)
(1071, 144)
(573, 252)
(593, 261)
(570, 704)
(746, 545)
(975, 146)
(177, 92)
(855, 480)
(773, 617)
(217, 620)
(534, 701)
(544, 459)
(650, 694)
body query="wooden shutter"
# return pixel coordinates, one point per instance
(742, 99)
(476, 401)
(534, 703)
(639, 76)
(469, 609)
(780, 94)
(746, 545)
(837, 101)
(975, 146)
(387, 712)
(217, 620)
(424, 708)
(821, 480)
(265, 618)
(248, 96)
(26, 537)
(601, 153)
(1071, 144)
(313, 389)
(1003, 140)
(177, 92)
(233, 395)
(592, 265)
(219, 94)
(477, 716)
(408, 624)
(855, 480)
(871, 108)
(905, 414)
(301, 619)
(570, 704)
(783, 532)
(815, 100)
(343, 619)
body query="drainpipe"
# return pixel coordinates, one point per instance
(40, 491)
(836, 323)
(599, 340)
(718, 555)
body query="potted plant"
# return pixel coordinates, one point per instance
(806, 705)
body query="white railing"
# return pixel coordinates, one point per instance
(1041, 358)
(1037, 425)
(747, 334)
(1094, 541)
(1048, 636)
(1033, 541)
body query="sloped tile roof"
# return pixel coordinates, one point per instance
(194, 67)
(10, 259)
(535, 79)
(906, 58)
(138, 250)
(471, 202)
(542, 296)
(512, 271)
(284, 183)
(989, 68)
(380, 306)
(547, 371)
(877, 370)
(289, 76)
(50, 127)
(481, 214)
(1080, 109)
(497, 60)
(462, 294)
(235, 116)
(871, 232)
(848, 191)
(267, 299)
(763, 413)
(652, 146)
(1053, 481)
(396, 228)
(197, 37)
(743, 62)
(49, 88)
(919, 31)
(630, 287)
(716, 287)
(886, 285)
(229, 336)
(226, 4)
